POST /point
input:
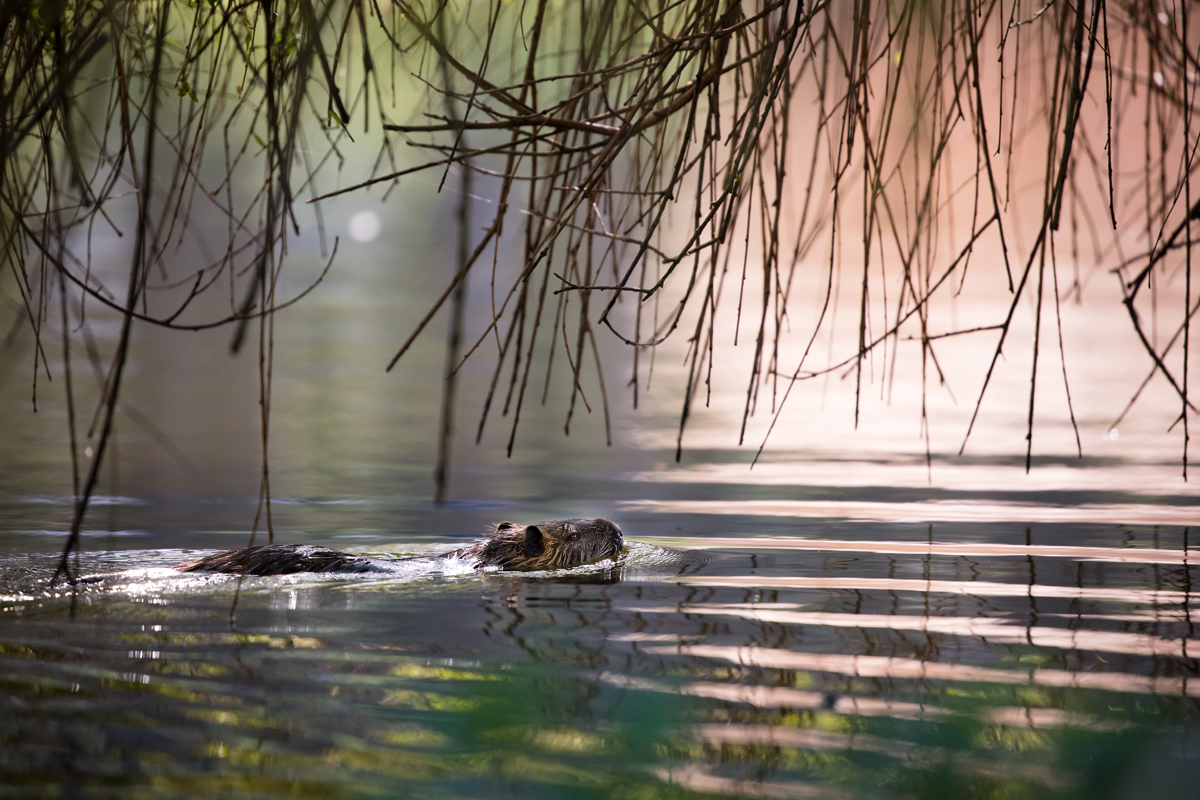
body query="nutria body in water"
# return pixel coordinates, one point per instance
(558, 544)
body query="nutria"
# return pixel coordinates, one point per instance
(557, 544)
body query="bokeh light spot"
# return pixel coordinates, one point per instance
(364, 226)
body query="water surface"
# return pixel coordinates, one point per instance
(740, 655)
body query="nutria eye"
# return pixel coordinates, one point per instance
(503, 526)
(574, 537)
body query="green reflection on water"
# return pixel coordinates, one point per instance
(395, 724)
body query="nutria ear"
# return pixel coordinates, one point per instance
(535, 545)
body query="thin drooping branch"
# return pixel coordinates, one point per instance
(662, 175)
(137, 271)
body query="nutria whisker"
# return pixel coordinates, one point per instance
(556, 544)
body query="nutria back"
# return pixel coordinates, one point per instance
(556, 544)
(278, 559)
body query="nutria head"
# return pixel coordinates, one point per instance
(558, 544)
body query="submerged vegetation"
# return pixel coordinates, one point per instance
(666, 172)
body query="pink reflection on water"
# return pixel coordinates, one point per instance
(850, 705)
(1144, 555)
(1156, 597)
(781, 697)
(701, 779)
(916, 669)
(829, 741)
(930, 511)
(995, 631)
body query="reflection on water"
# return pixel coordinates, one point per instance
(762, 666)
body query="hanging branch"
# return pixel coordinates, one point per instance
(670, 175)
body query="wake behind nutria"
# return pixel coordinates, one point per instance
(557, 544)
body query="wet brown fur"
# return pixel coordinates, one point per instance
(557, 544)
(278, 559)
